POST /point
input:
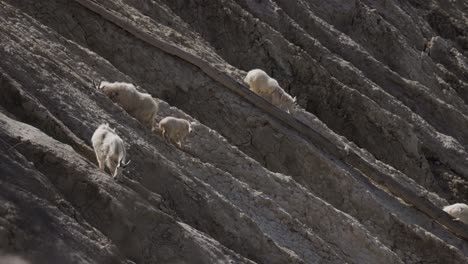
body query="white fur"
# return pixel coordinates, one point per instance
(174, 129)
(268, 88)
(109, 149)
(139, 105)
(459, 211)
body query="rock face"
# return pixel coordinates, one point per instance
(358, 175)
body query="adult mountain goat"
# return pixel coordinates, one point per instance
(139, 105)
(174, 129)
(110, 150)
(459, 211)
(268, 88)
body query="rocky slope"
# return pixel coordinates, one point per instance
(358, 175)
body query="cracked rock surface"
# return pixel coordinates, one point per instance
(382, 88)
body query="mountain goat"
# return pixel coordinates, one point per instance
(268, 88)
(174, 129)
(139, 105)
(459, 211)
(110, 150)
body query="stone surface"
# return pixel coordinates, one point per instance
(385, 81)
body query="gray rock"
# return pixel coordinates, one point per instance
(357, 175)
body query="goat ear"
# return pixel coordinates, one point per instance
(124, 165)
(96, 85)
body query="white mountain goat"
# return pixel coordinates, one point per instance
(139, 105)
(459, 211)
(110, 150)
(174, 129)
(268, 88)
